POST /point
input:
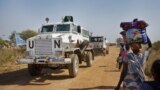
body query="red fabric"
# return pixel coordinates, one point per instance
(123, 54)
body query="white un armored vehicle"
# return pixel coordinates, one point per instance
(58, 46)
(99, 45)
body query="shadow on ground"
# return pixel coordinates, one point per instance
(96, 88)
(111, 70)
(83, 66)
(22, 77)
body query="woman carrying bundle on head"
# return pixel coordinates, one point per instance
(132, 74)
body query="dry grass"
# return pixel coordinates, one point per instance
(155, 54)
(10, 55)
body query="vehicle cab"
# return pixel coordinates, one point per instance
(99, 45)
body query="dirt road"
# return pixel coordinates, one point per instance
(103, 75)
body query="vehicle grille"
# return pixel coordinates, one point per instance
(43, 46)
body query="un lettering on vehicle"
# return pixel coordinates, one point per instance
(53, 43)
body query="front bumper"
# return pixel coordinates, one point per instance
(48, 60)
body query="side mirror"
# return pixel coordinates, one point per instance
(79, 29)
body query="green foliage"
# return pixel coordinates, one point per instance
(118, 40)
(27, 34)
(12, 37)
(1, 41)
(24, 35)
(156, 45)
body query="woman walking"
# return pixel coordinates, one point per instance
(132, 74)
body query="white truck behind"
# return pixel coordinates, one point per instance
(99, 45)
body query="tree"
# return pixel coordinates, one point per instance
(27, 34)
(12, 37)
(118, 40)
(24, 35)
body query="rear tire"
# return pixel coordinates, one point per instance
(89, 59)
(34, 69)
(74, 66)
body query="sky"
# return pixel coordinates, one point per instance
(101, 17)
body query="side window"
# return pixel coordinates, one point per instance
(63, 28)
(79, 29)
(85, 33)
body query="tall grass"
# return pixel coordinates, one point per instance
(155, 54)
(10, 55)
(156, 46)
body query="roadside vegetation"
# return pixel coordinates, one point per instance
(9, 52)
(10, 55)
(155, 54)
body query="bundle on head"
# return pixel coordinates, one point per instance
(136, 24)
(135, 31)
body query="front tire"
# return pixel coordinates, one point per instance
(74, 66)
(89, 59)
